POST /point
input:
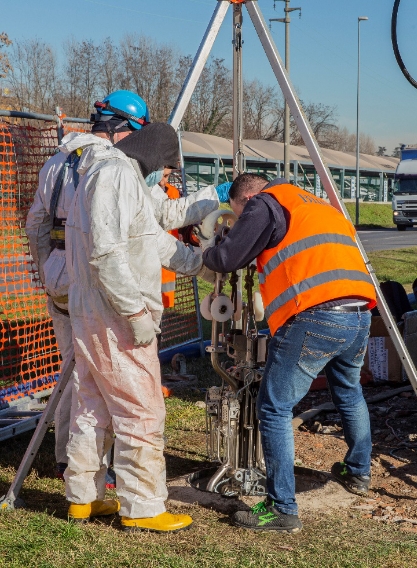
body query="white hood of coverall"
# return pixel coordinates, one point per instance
(75, 140)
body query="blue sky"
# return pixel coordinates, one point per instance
(323, 47)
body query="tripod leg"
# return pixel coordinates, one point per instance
(325, 175)
(9, 500)
(292, 99)
(198, 64)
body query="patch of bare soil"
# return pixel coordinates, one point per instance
(393, 497)
(320, 442)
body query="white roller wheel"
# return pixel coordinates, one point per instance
(205, 308)
(222, 308)
(258, 306)
(214, 223)
(238, 313)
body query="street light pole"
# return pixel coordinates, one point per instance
(286, 21)
(358, 189)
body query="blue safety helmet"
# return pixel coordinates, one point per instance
(123, 104)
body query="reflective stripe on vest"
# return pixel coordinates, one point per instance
(323, 278)
(302, 245)
(317, 260)
(168, 286)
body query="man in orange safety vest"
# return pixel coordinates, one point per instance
(317, 294)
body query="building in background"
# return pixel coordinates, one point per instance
(208, 159)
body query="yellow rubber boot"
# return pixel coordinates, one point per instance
(83, 513)
(163, 523)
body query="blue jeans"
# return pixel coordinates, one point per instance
(312, 341)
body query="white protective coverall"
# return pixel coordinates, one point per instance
(52, 266)
(115, 249)
(51, 263)
(184, 211)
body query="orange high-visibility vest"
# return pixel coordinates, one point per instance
(317, 261)
(168, 277)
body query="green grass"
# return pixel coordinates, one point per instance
(399, 265)
(39, 540)
(371, 215)
(40, 536)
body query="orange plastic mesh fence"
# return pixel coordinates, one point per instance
(29, 354)
(30, 358)
(180, 323)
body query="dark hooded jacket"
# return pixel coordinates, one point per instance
(154, 147)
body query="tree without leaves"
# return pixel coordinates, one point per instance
(210, 108)
(367, 144)
(344, 141)
(109, 62)
(136, 72)
(263, 111)
(149, 69)
(341, 139)
(322, 119)
(164, 87)
(82, 69)
(157, 73)
(5, 66)
(33, 77)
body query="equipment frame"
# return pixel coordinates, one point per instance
(300, 119)
(10, 500)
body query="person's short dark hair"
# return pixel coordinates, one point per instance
(246, 183)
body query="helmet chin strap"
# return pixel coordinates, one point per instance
(112, 131)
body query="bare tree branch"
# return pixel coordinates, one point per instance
(5, 66)
(34, 77)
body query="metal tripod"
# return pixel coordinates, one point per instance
(10, 500)
(299, 117)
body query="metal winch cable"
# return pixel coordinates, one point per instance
(395, 45)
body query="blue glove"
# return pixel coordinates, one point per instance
(223, 191)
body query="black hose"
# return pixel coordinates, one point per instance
(395, 45)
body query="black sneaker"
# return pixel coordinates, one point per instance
(60, 469)
(358, 484)
(110, 478)
(264, 517)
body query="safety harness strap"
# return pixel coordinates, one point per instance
(57, 189)
(71, 161)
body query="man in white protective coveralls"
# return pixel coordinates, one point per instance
(45, 227)
(115, 249)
